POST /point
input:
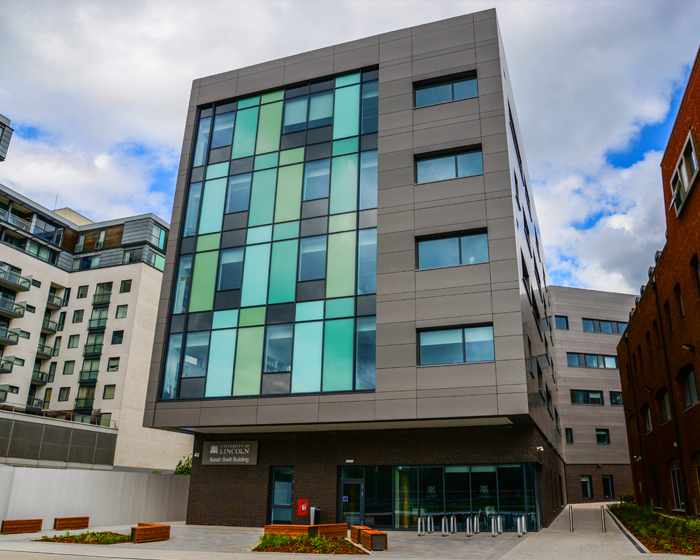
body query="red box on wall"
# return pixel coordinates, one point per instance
(303, 507)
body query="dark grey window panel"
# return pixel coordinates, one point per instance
(197, 175)
(314, 226)
(366, 305)
(106, 441)
(233, 238)
(368, 219)
(227, 300)
(322, 86)
(276, 383)
(318, 135)
(53, 451)
(80, 454)
(188, 245)
(220, 154)
(239, 166)
(309, 291)
(24, 448)
(56, 434)
(368, 142)
(84, 438)
(192, 387)
(5, 429)
(104, 456)
(296, 92)
(294, 140)
(235, 221)
(200, 321)
(314, 208)
(318, 151)
(283, 313)
(177, 324)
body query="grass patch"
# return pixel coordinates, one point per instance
(660, 533)
(274, 542)
(105, 537)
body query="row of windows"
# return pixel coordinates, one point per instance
(592, 325)
(595, 397)
(591, 360)
(685, 173)
(90, 365)
(107, 393)
(602, 436)
(451, 166)
(663, 400)
(587, 486)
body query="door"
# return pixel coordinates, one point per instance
(351, 502)
(281, 495)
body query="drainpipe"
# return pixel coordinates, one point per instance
(636, 416)
(686, 496)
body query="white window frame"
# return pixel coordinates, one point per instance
(686, 183)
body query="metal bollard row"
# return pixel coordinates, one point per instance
(421, 526)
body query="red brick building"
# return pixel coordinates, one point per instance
(658, 356)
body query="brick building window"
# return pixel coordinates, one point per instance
(569, 435)
(646, 414)
(664, 401)
(602, 436)
(685, 174)
(679, 299)
(586, 487)
(608, 487)
(690, 388)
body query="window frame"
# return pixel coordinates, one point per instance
(104, 392)
(113, 338)
(604, 432)
(443, 81)
(569, 436)
(464, 347)
(566, 322)
(677, 173)
(455, 153)
(458, 235)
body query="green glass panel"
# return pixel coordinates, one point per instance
(208, 242)
(343, 184)
(203, 281)
(251, 316)
(347, 146)
(262, 234)
(262, 198)
(342, 222)
(269, 129)
(288, 230)
(336, 308)
(347, 80)
(309, 311)
(212, 206)
(222, 353)
(347, 112)
(255, 269)
(271, 96)
(244, 133)
(340, 278)
(217, 171)
(246, 379)
(306, 365)
(283, 271)
(292, 156)
(338, 355)
(225, 319)
(159, 262)
(288, 205)
(266, 162)
(248, 102)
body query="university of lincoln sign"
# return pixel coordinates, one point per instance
(230, 453)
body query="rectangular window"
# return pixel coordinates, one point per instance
(370, 107)
(230, 269)
(686, 171)
(196, 355)
(602, 436)
(365, 353)
(82, 292)
(321, 109)
(202, 143)
(312, 258)
(586, 487)
(295, 112)
(664, 405)
(90, 366)
(569, 435)
(121, 311)
(281, 495)
(113, 364)
(453, 251)
(587, 397)
(591, 361)
(223, 130)
(117, 337)
(444, 92)
(172, 367)
(367, 261)
(283, 271)
(605, 327)
(192, 213)
(182, 285)
(68, 367)
(679, 300)
(608, 487)
(317, 176)
(100, 240)
(452, 346)
(561, 322)
(679, 502)
(61, 320)
(615, 398)
(440, 168)
(238, 196)
(690, 388)
(108, 392)
(278, 349)
(73, 341)
(63, 394)
(368, 179)
(80, 243)
(78, 315)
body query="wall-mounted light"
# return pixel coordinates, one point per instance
(540, 448)
(688, 347)
(648, 389)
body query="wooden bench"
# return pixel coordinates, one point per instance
(355, 531)
(328, 530)
(150, 532)
(372, 539)
(333, 530)
(13, 526)
(65, 523)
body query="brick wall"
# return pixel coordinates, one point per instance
(622, 481)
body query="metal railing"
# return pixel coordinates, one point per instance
(54, 300)
(49, 325)
(9, 275)
(92, 349)
(88, 376)
(101, 298)
(15, 221)
(6, 366)
(10, 306)
(40, 377)
(602, 519)
(8, 336)
(35, 403)
(99, 323)
(44, 350)
(84, 403)
(61, 415)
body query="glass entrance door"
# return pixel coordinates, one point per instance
(351, 502)
(281, 495)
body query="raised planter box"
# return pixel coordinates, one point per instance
(14, 526)
(329, 530)
(66, 523)
(150, 532)
(356, 531)
(372, 539)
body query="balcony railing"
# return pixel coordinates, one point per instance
(98, 299)
(16, 221)
(95, 324)
(84, 403)
(35, 403)
(54, 301)
(7, 336)
(40, 377)
(92, 349)
(6, 366)
(9, 307)
(88, 376)
(44, 351)
(49, 325)
(9, 276)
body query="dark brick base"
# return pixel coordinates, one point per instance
(622, 481)
(239, 495)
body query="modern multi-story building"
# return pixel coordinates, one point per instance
(354, 298)
(587, 327)
(78, 304)
(5, 135)
(659, 353)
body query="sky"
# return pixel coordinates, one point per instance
(98, 91)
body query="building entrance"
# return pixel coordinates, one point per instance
(352, 493)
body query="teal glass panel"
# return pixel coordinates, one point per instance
(212, 206)
(347, 112)
(245, 132)
(343, 184)
(222, 353)
(306, 364)
(204, 281)
(266, 161)
(271, 96)
(193, 199)
(252, 316)
(217, 171)
(288, 230)
(246, 379)
(336, 308)
(288, 157)
(172, 367)
(255, 269)
(182, 284)
(321, 109)
(309, 311)
(225, 319)
(262, 198)
(262, 234)
(340, 278)
(208, 242)
(249, 102)
(283, 271)
(159, 262)
(347, 146)
(338, 355)
(269, 129)
(347, 80)
(202, 144)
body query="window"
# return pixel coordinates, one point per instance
(656, 481)
(222, 134)
(78, 315)
(295, 110)
(608, 487)
(433, 94)
(69, 367)
(569, 435)
(591, 361)
(695, 269)
(317, 175)
(24, 334)
(230, 269)
(667, 311)
(238, 195)
(540, 379)
(56, 345)
(73, 341)
(367, 261)
(370, 107)
(690, 388)
(117, 337)
(202, 143)
(365, 353)
(100, 240)
(453, 251)
(602, 436)
(63, 394)
(125, 287)
(646, 414)
(182, 285)
(108, 392)
(193, 199)
(312, 258)
(196, 355)
(121, 311)
(602, 326)
(561, 322)
(52, 371)
(664, 405)
(368, 179)
(440, 168)
(90, 366)
(587, 397)
(321, 109)
(685, 173)
(113, 364)
(281, 495)
(82, 292)
(586, 487)
(697, 467)
(86, 263)
(80, 243)
(452, 346)
(278, 349)
(679, 300)
(615, 398)
(106, 419)
(30, 309)
(679, 502)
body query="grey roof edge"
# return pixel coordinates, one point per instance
(555, 288)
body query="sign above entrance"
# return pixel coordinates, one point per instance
(230, 453)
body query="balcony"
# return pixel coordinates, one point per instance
(3, 395)
(92, 349)
(44, 351)
(8, 308)
(97, 324)
(6, 366)
(88, 377)
(40, 378)
(10, 279)
(84, 403)
(8, 337)
(101, 299)
(54, 302)
(16, 221)
(49, 326)
(35, 403)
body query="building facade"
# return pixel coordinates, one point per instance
(658, 356)
(78, 305)
(354, 297)
(5, 136)
(587, 328)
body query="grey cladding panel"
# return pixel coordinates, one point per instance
(137, 231)
(111, 257)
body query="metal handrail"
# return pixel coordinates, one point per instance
(101, 298)
(97, 323)
(88, 375)
(15, 220)
(602, 518)
(36, 403)
(92, 349)
(8, 335)
(11, 276)
(44, 350)
(571, 519)
(55, 300)
(40, 376)
(63, 416)
(10, 305)
(49, 325)
(84, 402)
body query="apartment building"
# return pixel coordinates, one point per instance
(5, 136)
(78, 304)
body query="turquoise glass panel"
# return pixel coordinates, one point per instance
(217, 171)
(309, 311)
(347, 112)
(347, 80)
(288, 230)
(225, 319)
(262, 234)
(338, 355)
(347, 146)
(245, 133)
(249, 102)
(343, 184)
(262, 198)
(267, 161)
(212, 206)
(222, 353)
(255, 269)
(336, 308)
(248, 372)
(269, 129)
(308, 350)
(283, 271)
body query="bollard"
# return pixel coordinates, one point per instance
(524, 525)
(493, 527)
(421, 526)
(453, 524)
(477, 527)
(520, 526)
(469, 526)
(500, 524)
(431, 525)
(443, 526)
